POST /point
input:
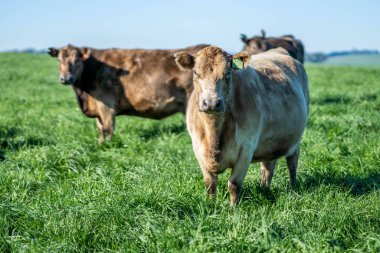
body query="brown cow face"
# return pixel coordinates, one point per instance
(255, 45)
(71, 62)
(212, 76)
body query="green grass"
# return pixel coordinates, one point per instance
(143, 192)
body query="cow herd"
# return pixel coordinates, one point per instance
(248, 107)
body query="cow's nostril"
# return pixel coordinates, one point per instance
(218, 104)
(204, 103)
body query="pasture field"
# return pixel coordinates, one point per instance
(143, 192)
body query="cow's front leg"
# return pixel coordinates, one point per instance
(109, 127)
(107, 121)
(235, 182)
(211, 181)
(267, 171)
(99, 126)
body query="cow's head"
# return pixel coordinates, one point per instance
(255, 44)
(212, 75)
(71, 61)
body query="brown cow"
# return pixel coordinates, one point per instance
(244, 111)
(112, 82)
(259, 44)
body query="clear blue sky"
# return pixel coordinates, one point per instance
(321, 24)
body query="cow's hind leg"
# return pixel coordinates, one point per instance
(267, 171)
(292, 163)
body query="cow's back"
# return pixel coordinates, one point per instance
(276, 66)
(146, 83)
(294, 46)
(298, 47)
(275, 96)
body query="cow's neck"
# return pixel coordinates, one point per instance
(88, 77)
(86, 84)
(217, 129)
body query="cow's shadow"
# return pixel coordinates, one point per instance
(332, 100)
(341, 99)
(157, 130)
(355, 185)
(12, 139)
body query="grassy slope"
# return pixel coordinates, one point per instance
(59, 191)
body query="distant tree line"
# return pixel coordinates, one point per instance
(316, 57)
(321, 57)
(28, 51)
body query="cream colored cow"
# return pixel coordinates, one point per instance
(245, 109)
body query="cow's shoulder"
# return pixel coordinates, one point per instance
(274, 65)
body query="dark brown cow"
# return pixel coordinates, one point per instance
(112, 82)
(259, 44)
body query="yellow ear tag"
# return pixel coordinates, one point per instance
(237, 63)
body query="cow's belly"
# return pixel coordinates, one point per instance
(278, 141)
(157, 107)
(271, 149)
(281, 131)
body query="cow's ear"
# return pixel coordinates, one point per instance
(240, 60)
(244, 38)
(263, 33)
(85, 53)
(185, 61)
(53, 52)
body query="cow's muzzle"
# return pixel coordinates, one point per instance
(211, 105)
(66, 80)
